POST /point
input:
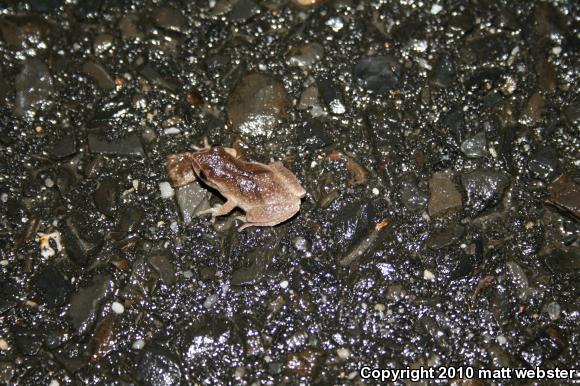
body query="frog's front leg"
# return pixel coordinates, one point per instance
(220, 210)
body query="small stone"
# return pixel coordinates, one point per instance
(129, 28)
(564, 194)
(64, 147)
(378, 74)
(445, 197)
(343, 353)
(536, 107)
(33, 87)
(428, 275)
(501, 340)
(411, 196)
(170, 19)
(52, 286)
(54, 382)
(553, 309)
(166, 190)
(484, 189)
(85, 303)
(99, 75)
(332, 96)
(210, 301)
(256, 105)
(284, 284)
(138, 344)
(305, 56)
(191, 199)
(435, 9)
(475, 146)
(129, 145)
(544, 164)
(103, 44)
(4, 346)
(158, 367)
(117, 308)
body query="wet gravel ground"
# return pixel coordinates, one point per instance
(438, 143)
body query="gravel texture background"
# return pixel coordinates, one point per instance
(439, 145)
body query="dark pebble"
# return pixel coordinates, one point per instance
(77, 245)
(351, 223)
(485, 49)
(305, 56)
(544, 164)
(254, 266)
(564, 194)
(129, 221)
(378, 74)
(443, 73)
(191, 199)
(155, 78)
(243, 10)
(484, 189)
(158, 367)
(475, 147)
(44, 6)
(161, 262)
(256, 104)
(64, 147)
(129, 145)
(170, 19)
(8, 294)
(52, 286)
(33, 87)
(411, 196)
(28, 340)
(446, 237)
(86, 302)
(332, 96)
(107, 196)
(311, 134)
(99, 75)
(444, 196)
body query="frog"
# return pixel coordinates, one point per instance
(269, 194)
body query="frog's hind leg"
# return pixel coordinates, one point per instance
(273, 215)
(180, 169)
(220, 210)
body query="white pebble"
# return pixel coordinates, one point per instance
(172, 130)
(4, 345)
(174, 227)
(49, 182)
(343, 353)
(4, 197)
(501, 340)
(428, 275)
(138, 344)
(4, 263)
(187, 274)
(556, 50)
(376, 191)
(380, 307)
(54, 382)
(435, 9)
(166, 189)
(210, 301)
(284, 284)
(117, 308)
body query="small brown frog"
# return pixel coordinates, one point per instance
(269, 194)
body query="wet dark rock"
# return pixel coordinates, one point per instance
(161, 262)
(129, 221)
(332, 96)
(154, 77)
(23, 31)
(85, 303)
(107, 196)
(475, 147)
(129, 145)
(444, 197)
(64, 147)
(547, 77)
(484, 189)
(99, 75)
(518, 279)
(564, 194)
(305, 56)
(77, 244)
(485, 49)
(536, 107)
(255, 264)
(103, 341)
(572, 113)
(309, 100)
(565, 260)
(311, 134)
(443, 73)
(411, 196)
(446, 237)
(158, 367)
(52, 286)
(44, 6)
(170, 19)
(191, 199)
(128, 25)
(351, 223)
(544, 164)
(256, 104)
(243, 10)
(33, 87)
(378, 74)
(28, 340)
(8, 294)
(454, 121)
